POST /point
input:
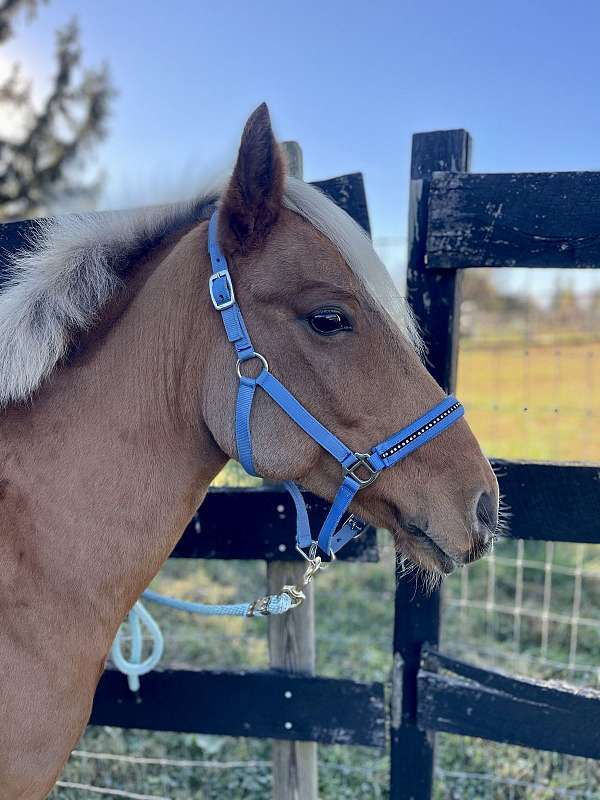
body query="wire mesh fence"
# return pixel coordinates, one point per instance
(528, 376)
(468, 769)
(148, 766)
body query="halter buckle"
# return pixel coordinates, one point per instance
(217, 294)
(362, 460)
(357, 525)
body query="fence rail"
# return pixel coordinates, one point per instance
(551, 502)
(258, 524)
(471, 701)
(539, 219)
(268, 704)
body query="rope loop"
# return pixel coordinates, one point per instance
(134, 667)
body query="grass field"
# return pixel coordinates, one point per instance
(524, 400)
(535, 401)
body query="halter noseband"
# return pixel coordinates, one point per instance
(359, 469)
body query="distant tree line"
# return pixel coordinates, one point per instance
(484, 299)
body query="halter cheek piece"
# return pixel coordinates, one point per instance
(359, 469)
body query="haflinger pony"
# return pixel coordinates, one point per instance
(118, 395)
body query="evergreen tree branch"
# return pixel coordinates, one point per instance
(38, 163)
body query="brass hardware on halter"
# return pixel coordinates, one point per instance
(296, 594)
(260, 607)
(362, 462)
(312, 569)
(312, 556)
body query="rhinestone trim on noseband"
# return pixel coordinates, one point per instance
(421, 431)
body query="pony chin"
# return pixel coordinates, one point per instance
(427, 575)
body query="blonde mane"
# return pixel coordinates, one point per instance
(75, 264)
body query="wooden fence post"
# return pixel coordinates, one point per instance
(434, 296)
(292, 644)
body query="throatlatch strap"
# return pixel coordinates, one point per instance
(243, 434)
(352, 528)
(339, 507)
(303, 534)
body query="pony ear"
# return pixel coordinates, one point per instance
(252, 201)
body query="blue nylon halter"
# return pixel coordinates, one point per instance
(382, 456)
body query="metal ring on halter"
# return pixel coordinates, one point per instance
(332, 557)
(262, 360)
(362, 460)
(312, 552)
(312, 555)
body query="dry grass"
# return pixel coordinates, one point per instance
(538, 401)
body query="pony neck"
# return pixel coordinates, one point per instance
(112, 459)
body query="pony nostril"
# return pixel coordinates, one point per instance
(487, 512)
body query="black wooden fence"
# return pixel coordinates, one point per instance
(457, 220)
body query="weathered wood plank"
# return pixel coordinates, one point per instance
(348, 191)
(514, 220)
(470, 701)
(551, 502)
(435, 299)
(258, 524)
(14, 235)
(292, 648)
(256, 704)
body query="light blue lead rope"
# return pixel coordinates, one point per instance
(139, 616)
(275, 604)
(134, 667)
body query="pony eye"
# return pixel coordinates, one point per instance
(327, 321)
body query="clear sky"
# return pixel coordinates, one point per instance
(351, 81)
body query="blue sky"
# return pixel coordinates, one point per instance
(351, 81)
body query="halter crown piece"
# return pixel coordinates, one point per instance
(358, 469)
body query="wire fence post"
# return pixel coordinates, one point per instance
(292, 643)
(434, 296)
